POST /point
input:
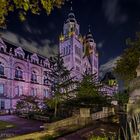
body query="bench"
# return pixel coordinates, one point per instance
(41, 118)
(23, 115)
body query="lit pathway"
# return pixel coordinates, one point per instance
(23, 126)
(98, 128)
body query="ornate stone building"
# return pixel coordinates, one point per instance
(24, 72)
(21, 72)
(79, 52)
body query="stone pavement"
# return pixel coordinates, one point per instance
(97, 128)
(23, 126)
(79, 135)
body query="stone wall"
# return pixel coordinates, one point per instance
(84, 118)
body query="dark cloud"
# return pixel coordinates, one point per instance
(108, 66)
(113, 12)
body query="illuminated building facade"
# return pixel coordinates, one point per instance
(21, 72)
(24, 72)
(79, 52)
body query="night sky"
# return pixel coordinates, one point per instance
(111, 21)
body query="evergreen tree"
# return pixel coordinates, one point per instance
(61, 82)
(88, 91)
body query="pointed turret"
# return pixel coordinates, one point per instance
(71, 16)
(89, 36)
(70, 26)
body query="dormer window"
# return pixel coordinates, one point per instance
(33, 76)
(2, 46)
(1, 68)
(19, 73)
(45, 78)
(1, 49)
(46, 63)
(34, 59)
(19, 53)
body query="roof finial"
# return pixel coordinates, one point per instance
(89, 28)
(71, 6)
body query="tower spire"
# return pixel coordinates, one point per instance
(89, 28)
(71, 9)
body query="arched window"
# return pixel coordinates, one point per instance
(18, 73)
(33, 91)
(1, 69)
(34, 76)
(1, 89)
(19, 90)
(2, 49)
(2, 46)
(46, 93)
(45, 78)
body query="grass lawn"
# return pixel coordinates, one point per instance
(6, 125)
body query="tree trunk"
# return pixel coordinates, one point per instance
(55, 110)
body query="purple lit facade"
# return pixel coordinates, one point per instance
(72, 47)
(21, 72)
(24, 72)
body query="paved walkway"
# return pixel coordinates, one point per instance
(97, 128)
(78, 135)
(23, 126)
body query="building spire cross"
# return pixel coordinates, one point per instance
(89, 28)
(71, 9)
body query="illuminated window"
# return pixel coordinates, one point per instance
(1, 89)
(33, 91)
(19, 73)
(45, 78)
(46, 94)
(19, 90)
(77, 51)
(1, 69)
(34, 76)
(2, 105)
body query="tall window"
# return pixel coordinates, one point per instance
(77, 51)
(19, 73)
(2, 49)
(1, 89)
(1, 69)
(34, 76)
(33, 91)
(66, 50)
(45, 78)
(2, 105)
(19, 90)
(95, 63)
(46, 94)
